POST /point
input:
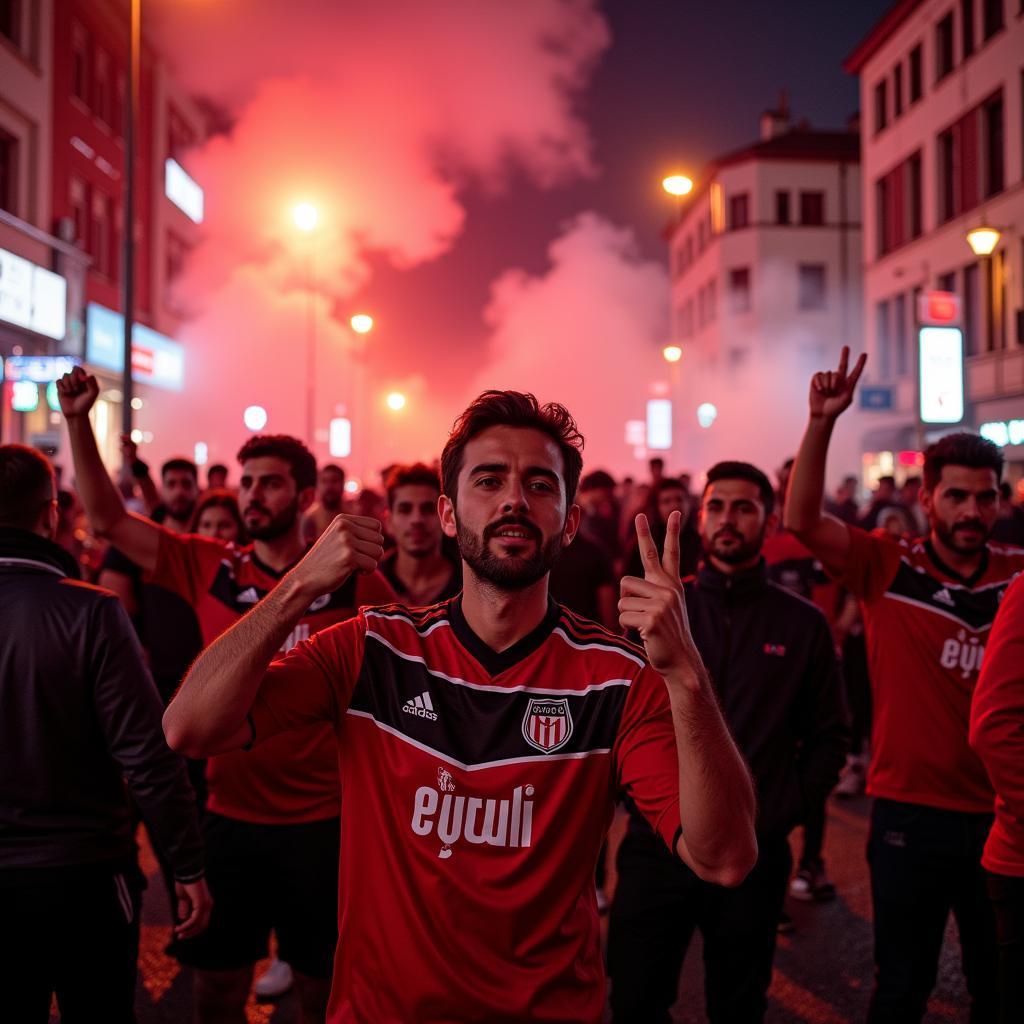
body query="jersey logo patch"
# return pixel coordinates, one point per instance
(547, 724)
(421, 707)
(248, 596)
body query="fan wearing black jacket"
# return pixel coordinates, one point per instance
(81, 716)
(774, 669)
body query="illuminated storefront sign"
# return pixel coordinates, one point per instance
(156, 359)
(41, 369)
(941, 374)
(340, 445)
(32, 297)
(1003, 432)
(659, 424)
(183, 191)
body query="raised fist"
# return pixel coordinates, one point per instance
(77, 391)
(349, 544)
(832, 391)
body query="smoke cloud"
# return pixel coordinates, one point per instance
(380, 114)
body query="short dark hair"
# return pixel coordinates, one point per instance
(962, 449)
(597, 480)
(182, 465)
(743, 471)
(220, 497)
(332, 467)
(282, 446)
(217, 467)
(513, 409)
(405, 476)
(656, 461)
(890, 480)
(27, 483)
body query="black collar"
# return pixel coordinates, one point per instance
(968, 581)
(274, 573)
(30, 547)
(737, 584)
(496, 662)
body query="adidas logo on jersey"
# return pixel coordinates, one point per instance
(943, 596)
(421, 707)
(507, 823)
(248, 596)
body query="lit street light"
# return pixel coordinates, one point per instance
(983, 240)
(677, 185)
(672, 353)
(396, 401)
(361, 323)
(305, 217)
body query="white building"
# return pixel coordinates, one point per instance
(765, 266)
(942, 85)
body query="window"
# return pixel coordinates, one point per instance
(991, 17)
(971, 311)
(916, 76)
(712, 300)
(812, 208)
(8, 172)
(781, 207)
(898, 205)
(897, 90)
(993, 179)
(966, 28)
(102, 94)
(811, 290)
(916, 195)
(739, 289)
(883, 216)
(102, 246)
(688, 252)
(947, 176)
(739, 211)
(881, 106)
(10, 21)
(78, 198)
(702, 307)
(80, 64)
(688, 319)
(180, 136)
(899, 316)
(883, 341)
(944, 59)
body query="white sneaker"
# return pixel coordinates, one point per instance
(851, 778)
(275, 982)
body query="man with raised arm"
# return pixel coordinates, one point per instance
(928, 606)
(482, 741)
(271, 822)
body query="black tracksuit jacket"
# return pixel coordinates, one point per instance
(79, 717)
(773, 666)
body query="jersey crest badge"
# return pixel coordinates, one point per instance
(547, 724)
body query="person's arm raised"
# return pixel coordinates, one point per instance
(716, 795)
(831, 394)
(209, 711)
(135, 536)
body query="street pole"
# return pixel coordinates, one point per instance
(311, 357)
(128, 250)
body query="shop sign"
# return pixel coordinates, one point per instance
(32, 297)
(941, 374)
(156, 359)
(1003, 432)
(41, 369)
(659, 424)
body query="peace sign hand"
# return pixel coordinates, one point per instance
(655, 605)
(832, 391)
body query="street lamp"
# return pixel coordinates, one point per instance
(128, 241)
(361, 323)
(672, 353)
(396, 401)
(983, 239)
(678, 185)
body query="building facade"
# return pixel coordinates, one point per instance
(942, 95)
(765, 268)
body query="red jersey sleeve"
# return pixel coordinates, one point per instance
(645, 755)
(186, 563)
(313, 682)
(997, 708)
(374, 589)
(871, 563)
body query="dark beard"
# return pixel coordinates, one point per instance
(277, 526)
(952, 541)
(508, 573)
(744, 552)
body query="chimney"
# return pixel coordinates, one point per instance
(776, 122)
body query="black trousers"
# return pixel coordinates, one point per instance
(659, 902)
(926, 862)
(1007, 896)
(74, 933)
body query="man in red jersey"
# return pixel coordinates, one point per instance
(483, 740)
(928, 606)
(271, 824)
(997, 736)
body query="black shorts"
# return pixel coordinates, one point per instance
(263, 877)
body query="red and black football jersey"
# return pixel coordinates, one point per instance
(294, 778)
(478, 790)
(926, 629)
